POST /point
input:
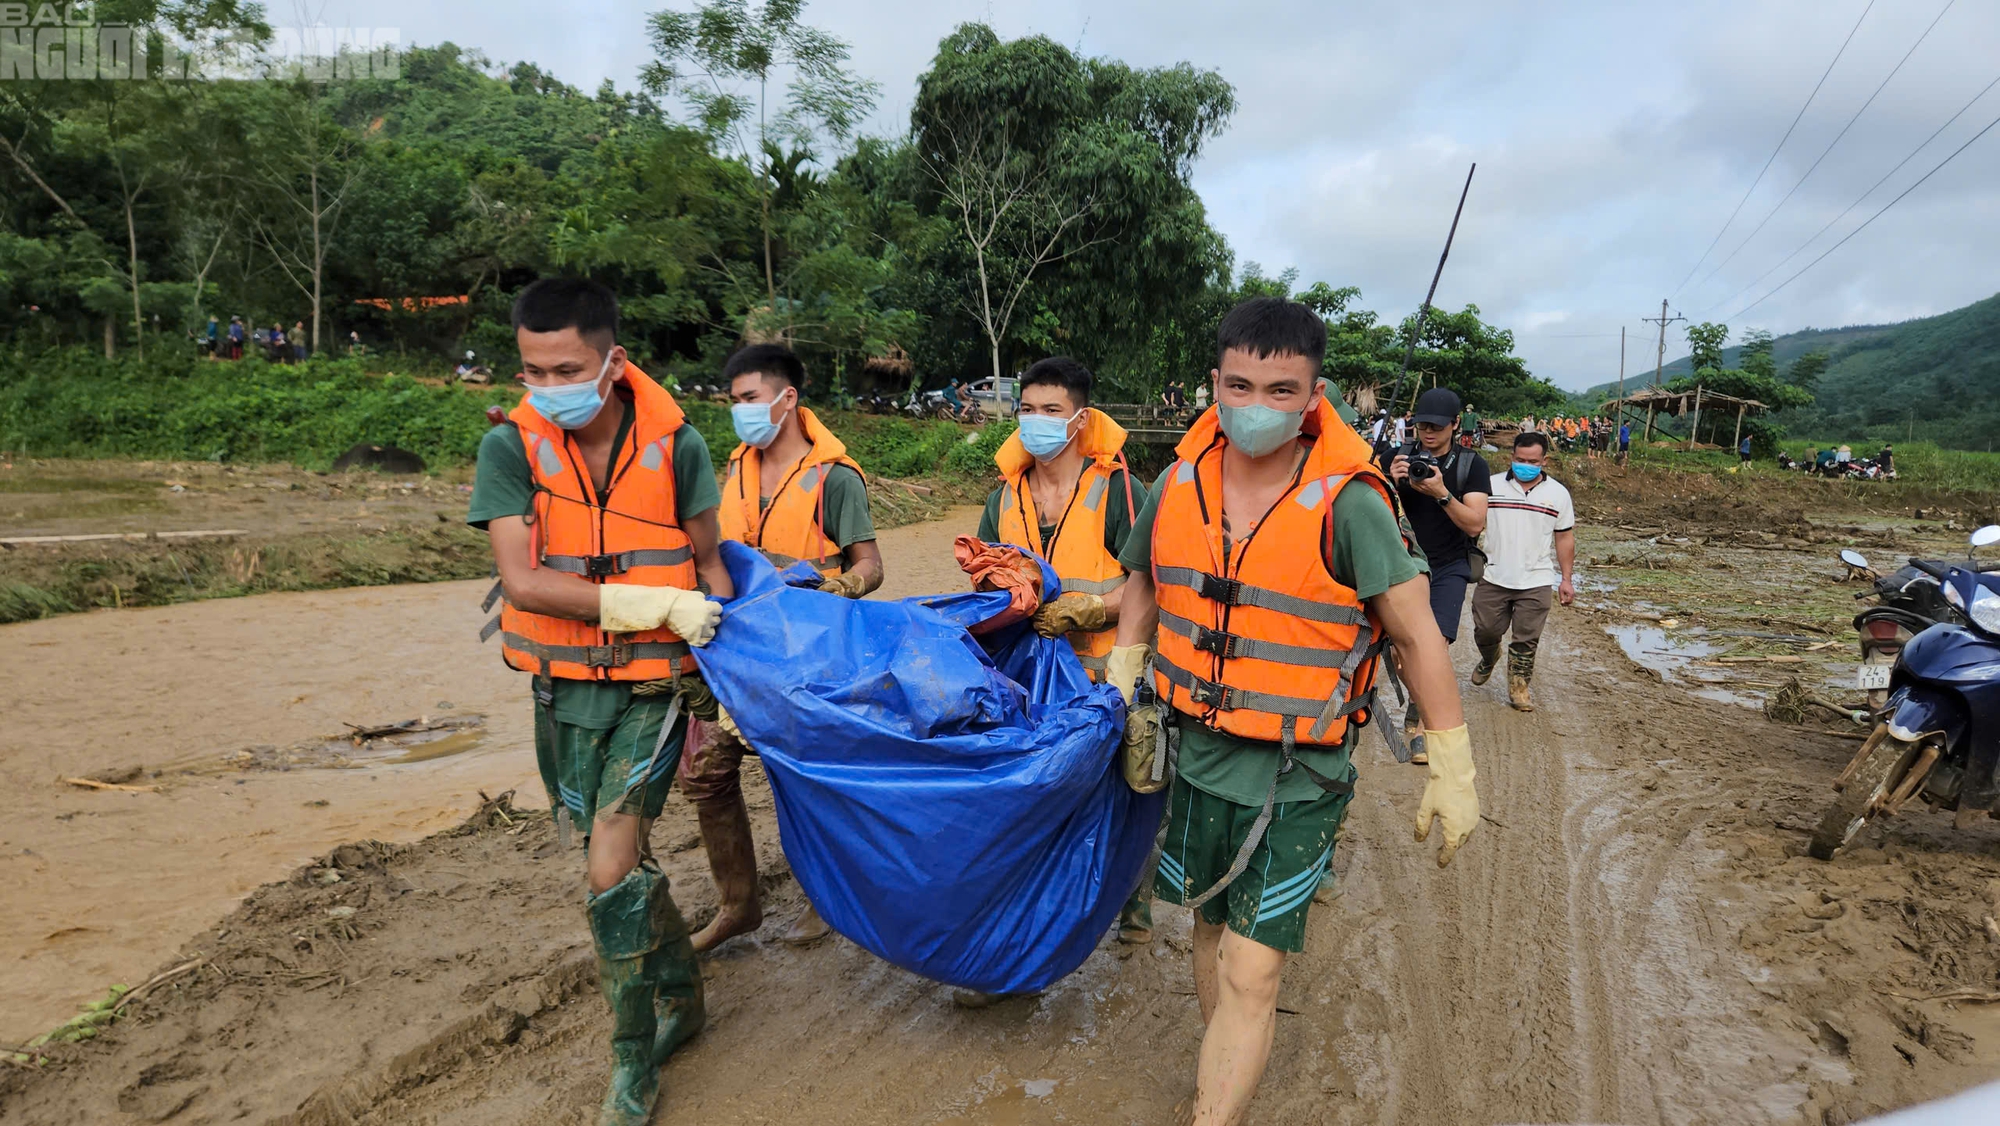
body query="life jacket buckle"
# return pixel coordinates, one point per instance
(602, 566)
(1215, 588)
(1209, 694)
(607, 656)
(1214, 641)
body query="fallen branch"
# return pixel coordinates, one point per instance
(157, 980)
(1972, 996)
(94, 784)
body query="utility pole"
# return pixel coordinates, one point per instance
(1659, 360)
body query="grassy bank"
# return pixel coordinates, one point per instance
(77, 404)
(38, 582)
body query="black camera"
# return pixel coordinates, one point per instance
(1423, 465)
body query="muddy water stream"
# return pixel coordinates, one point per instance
(236, 710)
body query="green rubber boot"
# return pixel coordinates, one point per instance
(678, 1002)
(1135, 919)
(629, 923)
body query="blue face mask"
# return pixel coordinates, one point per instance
(1258, 430)
(1525, 473)
(753, 424)
(1045, 436)
(571, 405)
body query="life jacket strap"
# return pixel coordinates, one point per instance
(612, 656)
(616, 563)
(1223, 697)
(1230, 646)
(1235, 592)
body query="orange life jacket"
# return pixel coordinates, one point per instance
(1255, 641)
(1077, 549)
(631, 535)
(794, 526)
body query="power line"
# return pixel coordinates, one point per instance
(1864, 226)
(1774, 152)
(1830, 145)
(1988, 88)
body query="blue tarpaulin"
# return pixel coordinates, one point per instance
(952, 804)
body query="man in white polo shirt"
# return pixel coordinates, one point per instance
(1530, 544)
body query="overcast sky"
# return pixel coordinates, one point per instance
(1613, 140)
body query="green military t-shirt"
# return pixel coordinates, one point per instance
(504, 486)
(1368, 555)
(1117, 517)
(847, 518)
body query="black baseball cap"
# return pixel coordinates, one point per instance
(1438, 406)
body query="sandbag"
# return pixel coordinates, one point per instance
(952, 804)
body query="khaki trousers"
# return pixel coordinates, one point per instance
(1498, 609)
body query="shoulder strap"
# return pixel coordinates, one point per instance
(1469, 464)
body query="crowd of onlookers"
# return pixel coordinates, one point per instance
(277, 346)
(1839, 461)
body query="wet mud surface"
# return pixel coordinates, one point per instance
(1634, 936)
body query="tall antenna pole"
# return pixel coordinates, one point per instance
(1423, 311)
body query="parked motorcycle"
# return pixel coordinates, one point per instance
(1908, 602)
(1941, 736)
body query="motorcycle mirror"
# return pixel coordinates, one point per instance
(1987, 536)
(1854, 559)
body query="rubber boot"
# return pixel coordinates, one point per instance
(679, 1003)
(1520, 670)
(807, 929)
(1489, 659)
(1135, 919)
(732, 861)
(1413, 734)
(626, 922)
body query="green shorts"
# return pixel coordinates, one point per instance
(1268, 902)
(595, 770)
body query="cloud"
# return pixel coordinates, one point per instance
(1612, 141)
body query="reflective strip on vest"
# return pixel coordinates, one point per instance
(1093, 664)
(1224, 698)
(1094, 499)
(598, 656)
(492, 596)
(1232, 646)
(1091, 586)
(1232, 592)
(617, 563)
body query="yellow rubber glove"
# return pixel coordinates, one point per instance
(847, 584)
(728, 724)
(1069, 612)
(629, 608)
(1123, 666)
(1449, 795)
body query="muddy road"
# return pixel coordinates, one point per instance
(236, 712)
(1632, 937)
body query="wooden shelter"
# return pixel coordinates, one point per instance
(1659, 401)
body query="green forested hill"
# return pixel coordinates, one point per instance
(1935, 377)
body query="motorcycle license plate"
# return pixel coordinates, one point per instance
(1871, 677)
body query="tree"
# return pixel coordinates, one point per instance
(302, 165)
(1754, 355)
(1059, 187)
(703, 56)
(1705, 343)
(1805, 372)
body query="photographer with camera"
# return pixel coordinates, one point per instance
(1443, 489)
